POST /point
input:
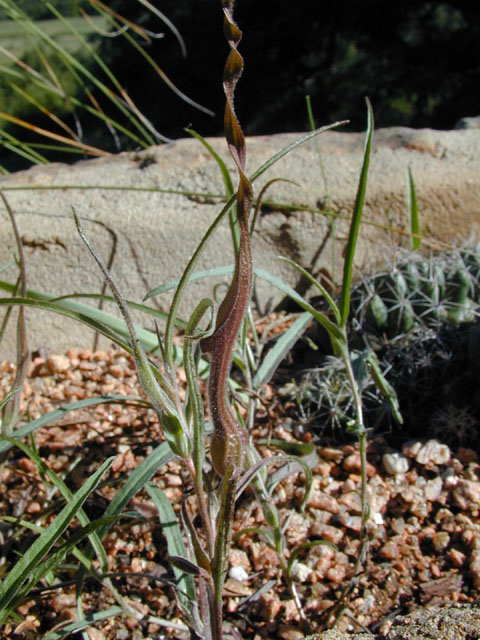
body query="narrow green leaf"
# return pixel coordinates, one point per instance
(42, 545)
(7, 266)
(290, 147)
(229, 190)
(54, 558)
(415, 239)
(88, 317)
(7, 397)
(224, 532)
(332, 328)
(156, 313)
(316, 283)
(89, 620)
(248, 530)
(293, 448)
(79, 555)
(293, 464)
(290, 465)
(278, 352)
(384, 386)
(136, 481)
(355, 223)
(198, 275)
(195, 400)
(51, 416)
(227, 180)
(175, 544)
(201, 557)
(261, 198)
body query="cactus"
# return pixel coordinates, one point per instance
(429, 291)
(454, 425)
(417, 319)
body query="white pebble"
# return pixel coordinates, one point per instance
(238, 573)
(395, 463)
(300, 571)
(433, 452)
(433, 488)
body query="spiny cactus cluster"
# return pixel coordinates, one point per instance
(419, 318)
(417, 290)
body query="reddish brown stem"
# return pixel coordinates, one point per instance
(229, 437)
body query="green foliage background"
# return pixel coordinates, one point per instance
(418, 62)
(37, 10)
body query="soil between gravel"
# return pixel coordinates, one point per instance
(424, 529)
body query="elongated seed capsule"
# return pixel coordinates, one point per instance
(229, 439)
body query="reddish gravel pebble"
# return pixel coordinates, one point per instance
(424, 526)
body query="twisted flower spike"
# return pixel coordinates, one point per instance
(229, 437)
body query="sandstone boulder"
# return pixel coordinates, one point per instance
(146, 212)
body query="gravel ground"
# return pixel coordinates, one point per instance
(457, 622)
(424, 529)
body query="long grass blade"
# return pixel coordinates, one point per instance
(169, 24)
(31, 526)
(229, 190)
(415, 239)
(332, 328)
(318, 285)
(110, 326)
(57, 414)
(39, 81)
(10, 411)
(136, 481)
(89, 620)
(198, 275)
(355, 223)
(125, 104)
(278, 352)
(31, 27)
(195, 400)
(94, 151)
(86, 319)
(175, 544)
(56, 557)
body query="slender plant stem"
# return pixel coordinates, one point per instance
(362, 441)
(202, 505)
(222, 544)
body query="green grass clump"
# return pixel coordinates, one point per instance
(57, 89)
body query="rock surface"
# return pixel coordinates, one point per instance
(135, 209)
(446, 623)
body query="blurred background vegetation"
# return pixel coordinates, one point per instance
(419, 63)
